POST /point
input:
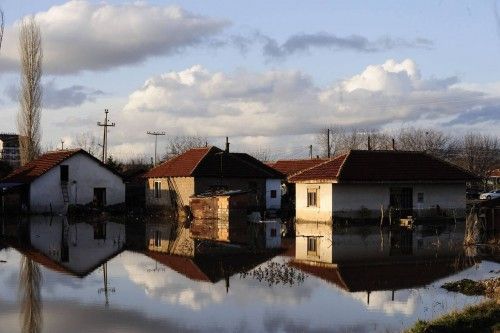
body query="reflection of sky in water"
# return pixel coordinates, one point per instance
(166, 300)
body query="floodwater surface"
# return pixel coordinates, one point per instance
(60, 277)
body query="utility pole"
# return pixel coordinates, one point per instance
(311, 151)
(105, 125)
(156, 140)
(328, 142)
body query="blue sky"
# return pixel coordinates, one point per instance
(266, 73)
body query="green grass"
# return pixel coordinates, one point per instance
(466, 287)
(476, 318)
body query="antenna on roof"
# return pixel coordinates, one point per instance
(328, 147)
(369, 143)
(62, 144)
(311, 152)
(393, 144)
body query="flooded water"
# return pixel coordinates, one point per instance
(57, 276)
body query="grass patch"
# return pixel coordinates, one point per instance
(478, 318)
(466, 287)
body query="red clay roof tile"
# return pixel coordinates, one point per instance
(291, 167)
(213, 162)
(385, 165)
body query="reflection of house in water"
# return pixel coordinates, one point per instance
(221, 216)
(77, 249)
(371, 259)
(171, 238)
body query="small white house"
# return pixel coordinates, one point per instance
(364, 184)
(66, 177)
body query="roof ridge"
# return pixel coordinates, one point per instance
(343, 163)
(202, 157)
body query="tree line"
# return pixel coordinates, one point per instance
(478, 153)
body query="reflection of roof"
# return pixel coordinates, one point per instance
(384, 165)
(208, 268)
(291, 167)
(56, 266)
(38, 167)
(391, 276)
(213, 162)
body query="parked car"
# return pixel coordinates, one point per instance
(490, 195)
(472, 193)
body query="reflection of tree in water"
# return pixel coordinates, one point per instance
(30, 279)
(275, 273)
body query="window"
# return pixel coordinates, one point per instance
(420, 197)
(312, 245)
(157, 238)
(157, 189)
(273, 232)
(312, 197)
(273, 194)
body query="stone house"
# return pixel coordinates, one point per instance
(208, 169)
(365, 183)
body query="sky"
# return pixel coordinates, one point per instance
(268, 74)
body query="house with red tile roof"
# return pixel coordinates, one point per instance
(494, 178)
(364, 183)
(61, 178)
(208, 169)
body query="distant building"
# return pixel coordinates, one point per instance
(494, 179)
(61, 178)
(200, 170)
(9, 149)
(364, 183)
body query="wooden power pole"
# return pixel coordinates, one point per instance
(156, 141)
(105, 125)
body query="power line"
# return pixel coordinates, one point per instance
(105, 125)
(156, 134)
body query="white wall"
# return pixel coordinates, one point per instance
(273, 184)
(321, 213)
(324, 234)
(347, 200)
(84, 175)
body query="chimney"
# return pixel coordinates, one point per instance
(227, 144)
(369, 143)
(393, 144)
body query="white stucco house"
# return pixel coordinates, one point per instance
(207, 169)
(65, 177)
(365, 183)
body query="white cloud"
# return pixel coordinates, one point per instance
(79, 35)
(273, 103)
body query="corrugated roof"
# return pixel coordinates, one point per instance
(291, 167)
(213, 162)
(385, 165)
(34, 169)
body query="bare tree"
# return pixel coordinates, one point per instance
(89, 142)
(434, 142)
(344, 139)
(30, 41)
(181, 143)
(263, 154)
(2, 25)
(479, 154)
